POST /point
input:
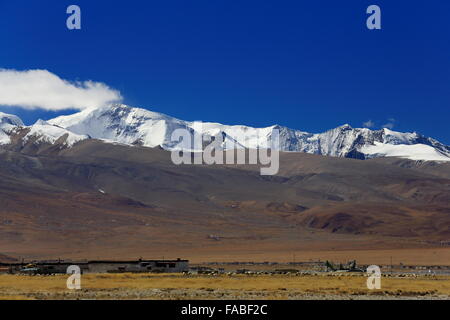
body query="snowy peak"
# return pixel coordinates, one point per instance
(38, 133)
(120, 123)
(8, 122)
(44, 132)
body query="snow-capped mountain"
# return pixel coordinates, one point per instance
(123, 124)
(8, 122)
(44, 132)
(119, 123)
(38, 133)
(363, 143)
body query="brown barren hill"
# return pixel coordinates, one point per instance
(113, 201)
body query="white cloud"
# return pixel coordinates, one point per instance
(390, 124)
(369, 124)
(42, 89)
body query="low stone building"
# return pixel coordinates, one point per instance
(168, 266)
(97, 266)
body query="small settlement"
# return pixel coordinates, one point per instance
(96, 266)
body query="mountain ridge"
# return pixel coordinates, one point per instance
(119, 123)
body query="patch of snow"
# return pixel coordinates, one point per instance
(412, 152)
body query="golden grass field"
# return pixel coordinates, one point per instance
(178, 286)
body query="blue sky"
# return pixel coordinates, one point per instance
(309, 65)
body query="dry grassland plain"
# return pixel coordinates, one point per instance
(178, 286)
